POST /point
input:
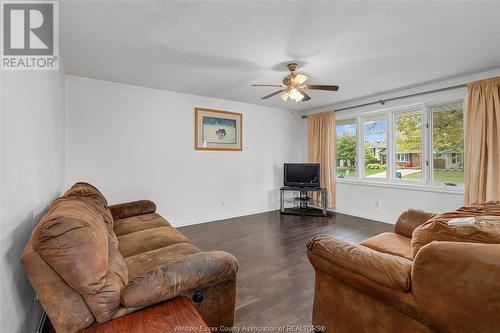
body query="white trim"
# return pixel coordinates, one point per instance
(404, 185)
(352, 213)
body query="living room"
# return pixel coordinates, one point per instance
(270, 166)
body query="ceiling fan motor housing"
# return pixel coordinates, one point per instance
(292, 67)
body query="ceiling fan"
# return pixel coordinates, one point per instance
(293, 86)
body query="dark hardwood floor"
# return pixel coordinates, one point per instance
(275, 280)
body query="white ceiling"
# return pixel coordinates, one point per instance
(218, 49)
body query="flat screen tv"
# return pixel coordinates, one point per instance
(301, 174)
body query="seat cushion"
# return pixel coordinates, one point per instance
(391, 243)
(177, 277)
(149, 239)
(139, 222)
(142, 263)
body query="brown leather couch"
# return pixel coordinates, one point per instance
(425, 277)
(90, 262)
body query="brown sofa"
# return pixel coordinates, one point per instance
(425, 277)
(91, 263)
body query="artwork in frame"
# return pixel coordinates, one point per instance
(218, 130)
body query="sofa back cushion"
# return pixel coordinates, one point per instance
(485, 230)
(82, 189)
(73, 239)
(409, 220)
(92, 196)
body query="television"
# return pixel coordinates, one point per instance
(301, 174)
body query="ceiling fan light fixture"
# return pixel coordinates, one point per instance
(296, 95)
(285, 96)
(300, 78)
(294, 86)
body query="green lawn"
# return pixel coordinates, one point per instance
(352, 171)
(343, 171)
(443, 176)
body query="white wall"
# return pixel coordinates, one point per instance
(385, 203)
(134, 142)
(32, 174)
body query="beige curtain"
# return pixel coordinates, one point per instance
(321, 142)
(482, 142)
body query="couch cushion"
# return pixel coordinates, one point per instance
(139, 222)
(86, 189)
(485, 230)
(133, 208)
(174, 278)
(73, 240)
(149, 239)
(142, 263)
(411, 219)
(391, 243)
(92, 196)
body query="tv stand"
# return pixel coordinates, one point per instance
(301, 203)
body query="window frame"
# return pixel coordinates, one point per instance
(419, 109)
(349, 120)
(361, 143)
(430, 122)
(426, 183)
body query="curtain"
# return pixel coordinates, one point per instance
(482, 142)
(321, 142)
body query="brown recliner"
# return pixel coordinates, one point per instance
(425, 277)
(91, 263)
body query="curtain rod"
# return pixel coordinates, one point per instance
(383, 101)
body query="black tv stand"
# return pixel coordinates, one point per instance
(301, 203)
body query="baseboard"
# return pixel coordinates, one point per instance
(388, 221)
(221, 218)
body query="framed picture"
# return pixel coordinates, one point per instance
(217, 130)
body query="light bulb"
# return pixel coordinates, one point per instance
(296, 95)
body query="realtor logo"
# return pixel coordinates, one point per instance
(30, 39)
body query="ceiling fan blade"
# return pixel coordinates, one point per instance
(306, 96)
(321, 87)
(267, 85)
(274, 93)
(300, 78)
(285, 96)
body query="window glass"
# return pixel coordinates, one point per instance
(448, 143)
(408, 136)
(375, 147)
(346, 148)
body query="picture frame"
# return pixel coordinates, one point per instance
(218, 130)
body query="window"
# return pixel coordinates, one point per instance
(417, 145)
(448, 143)
(375, 147)
(346, 148)
(408, 145)
(403, 157)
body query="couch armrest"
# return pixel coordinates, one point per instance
(456, 286)
(133, 208)
(410, 220)
(385, 269)
(176, 277)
